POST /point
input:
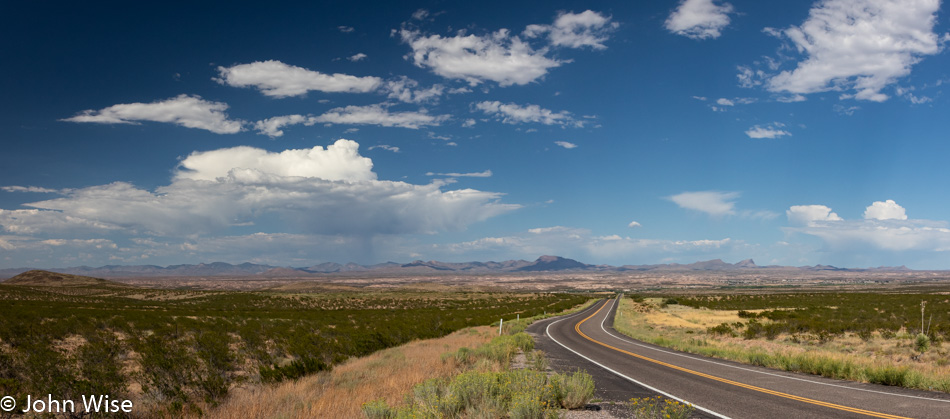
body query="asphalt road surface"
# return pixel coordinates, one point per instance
(623, 368)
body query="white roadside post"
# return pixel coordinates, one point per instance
(500, 323)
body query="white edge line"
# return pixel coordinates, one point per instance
(548, 332)
(627, 339)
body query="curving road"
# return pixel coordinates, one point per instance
(720, 388)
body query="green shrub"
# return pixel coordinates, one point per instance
(538, 361)
(576, 390)
(922, 343)
(668, 301)
(428, 400)
(378, 409)
(532, 393)
(503, 348)
(475, 394)
(515, 327)
(772, 330)
(215, 377)
(292, 371)
(758, 358)
(527, 406)
(168, 370)
(475, 388)
(721, 329)
(746, 314)
(888, 375)
(752, 329)
(101, 367)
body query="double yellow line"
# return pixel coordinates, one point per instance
(577, 328)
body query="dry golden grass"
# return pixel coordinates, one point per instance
(340, 393)
(682, 316)
(683, 328)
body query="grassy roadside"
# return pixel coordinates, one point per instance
(384, 376)
(487, 387)
(849, 357)
(340, 393)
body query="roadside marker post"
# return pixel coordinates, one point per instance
(500, 323)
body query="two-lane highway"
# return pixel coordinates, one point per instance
(727, 389)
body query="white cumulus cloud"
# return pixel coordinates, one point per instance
(407, 90)
(770, 131)
(271, 127)
(699, 19)
(859, 46)
(885, 227)
(498, 57)
(576, 30)
(338, 161)
(184, 110)
(512, 113)
(885, 210)
(308, 191)
(714, 203)
(276, 79)
(633, 224)
(379, 115)
(33, 189)
(386, 147)
(809, 214)
(565, 144)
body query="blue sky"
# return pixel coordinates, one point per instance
(295, 133)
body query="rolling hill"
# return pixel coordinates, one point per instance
(39, 278)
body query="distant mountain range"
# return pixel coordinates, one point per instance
(419, 267)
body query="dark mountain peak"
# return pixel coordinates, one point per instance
(414, 263)
(326, 267)
(553, 263)
(748, 263)
(431, 265)
(827, 268)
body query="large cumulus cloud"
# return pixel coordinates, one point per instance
(328, 190)
(885, 227)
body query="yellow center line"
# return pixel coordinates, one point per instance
(577, 328)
